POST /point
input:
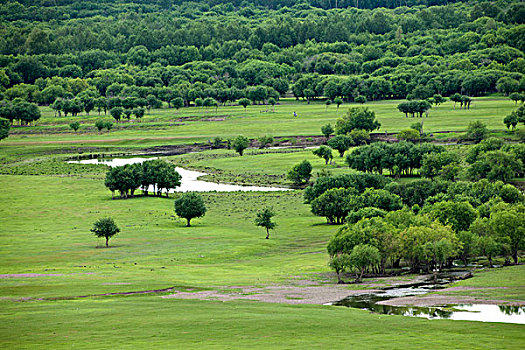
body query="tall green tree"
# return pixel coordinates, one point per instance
(263, 218)
(189, 206)
(106, 228)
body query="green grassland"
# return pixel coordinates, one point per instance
(193, 124)
(48, 206)
(45, 229)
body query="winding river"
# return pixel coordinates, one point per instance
(190, 179)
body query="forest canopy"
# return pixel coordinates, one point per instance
(229, 50)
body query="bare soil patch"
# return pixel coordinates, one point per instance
(275, 294)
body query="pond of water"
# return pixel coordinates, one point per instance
(189, 182)
(467, 312)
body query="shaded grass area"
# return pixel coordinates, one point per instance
(140, 322)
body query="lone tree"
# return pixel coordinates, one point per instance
(244, 102)
(190, 205)
(4, 128)
(327, 130)
(341, 143)
(476, 131)
(106, 228)
(300, 173)
(74, 125)
(357, 118)
(240, 144)
(323, 152)
(264, 219)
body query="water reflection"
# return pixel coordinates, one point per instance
(189, 180)
(465, 312)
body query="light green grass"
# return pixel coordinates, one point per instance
(257, 166)
(165, 125)
(497, 284)
(152, 322)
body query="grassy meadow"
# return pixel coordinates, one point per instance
(196, 124)
(48, 207)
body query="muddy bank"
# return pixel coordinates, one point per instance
(273, 294)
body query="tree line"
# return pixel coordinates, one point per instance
(229, 54)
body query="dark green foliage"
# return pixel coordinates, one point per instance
(128, 178)
(100, 125)
(366, 212)
(476, 131)
(327, 130)
(340, 143)
(74, 125)
(357, 118)
(116, 113)
(445, 164)
(496, 165)
(362, 257)
(458, 214)
(19, 110)
(400, 158)
(4, 128)
(360, 99)
(263, 218)
(336, 203)
(416, 192)
(244, 102)
(414, 108)
(240, 144)
(333, 204)
(359, 182)
(324, 152)
(300, 173)
(106, 228)
(189, 206)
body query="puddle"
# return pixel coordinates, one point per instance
(189, 180)
(466, 312)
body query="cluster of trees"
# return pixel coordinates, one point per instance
(414, 107)
(494, 160)
(126, 179)
(19, 110)
(351, 130)
(210, 52)
(401, 158)
(428, 240)
(354, 192)
(424, 224)
(515, 117)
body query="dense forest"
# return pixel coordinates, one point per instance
(139, 53)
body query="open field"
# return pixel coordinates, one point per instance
(45, 230)
(59, 288)
(193, 124)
